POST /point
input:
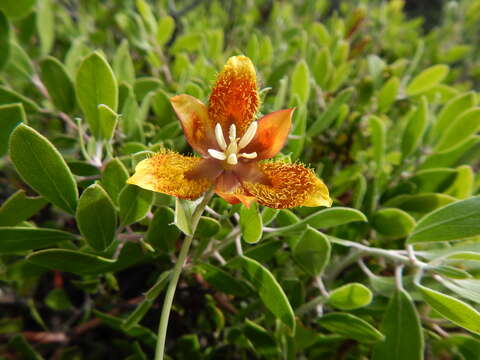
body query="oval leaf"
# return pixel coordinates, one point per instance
(455, 221)
(43, 168)
(393, 223)
(350, 296)
(96, 217)
(95, 84)
(70, 261)
(402, 329)
(461, 129)
(15, 239)
(312, 251)
(452, 309)
(270, 291)
(134, 204)
(251, 223)
(427, 79)
(59, 85)
(351, 327)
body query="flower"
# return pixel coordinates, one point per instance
(233, 147)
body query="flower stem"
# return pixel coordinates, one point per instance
(172, 285)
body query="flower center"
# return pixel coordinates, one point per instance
(231, 152)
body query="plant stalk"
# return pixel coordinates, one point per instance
(175, 276)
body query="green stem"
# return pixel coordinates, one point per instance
(172, 285)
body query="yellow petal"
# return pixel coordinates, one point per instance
(165, 173)
(197, 127)
(234, 98)
(291, 185)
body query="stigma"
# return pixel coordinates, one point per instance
(230, 153)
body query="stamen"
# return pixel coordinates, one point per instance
(232, 159)
(219, 136)
(248, 136)
(233, 133)
(252, 155)
(217, 154)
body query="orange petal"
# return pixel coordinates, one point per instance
(272, 133)
(193, 116)
(165, 173)
(291, 185)
(234, 98)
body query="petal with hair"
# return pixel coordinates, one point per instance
(165, 173)
(234, 98)
(291, 185)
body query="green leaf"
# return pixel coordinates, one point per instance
(460, 130)
(19, 207)
(466, 288)
(326, 218)
(388, 94)
(107, 122)
(19, 65)
(17, 239)
(393, 223)
(59, 85)
(207, 227)
(350, 296)
(263, 342)
(16, 9)
(161, 233)
(251, 223)
(455, 221)
(8, 96)
(4, 40)
(450, 272)
(114, 177)
(58, 300)
(70, 261)
(222, 280)
(300, 83)
(165, 28)
(351, 327)
(378, 131)
(43, 168)
(427, 79)
(312, 252)
(96, 217)
(123, 64)
(402, 329)
(421, 203)
(10, 116)
(45, 20)
(433, 180)
(416, 126)
(95, 84)
(134, 203)
(451, 110)
(452, 309)
(270, 291)
(453, 157)
(331, 113)
(322, 68)
(463, 186)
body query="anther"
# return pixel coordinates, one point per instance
(248, 136)
(252, 155)
(217, 154)
(219, 137)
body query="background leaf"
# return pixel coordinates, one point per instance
(42, 167)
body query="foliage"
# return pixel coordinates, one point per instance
(386, 113)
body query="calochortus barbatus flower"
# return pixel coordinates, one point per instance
(234, 148)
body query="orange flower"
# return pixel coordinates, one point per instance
(232, 144)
